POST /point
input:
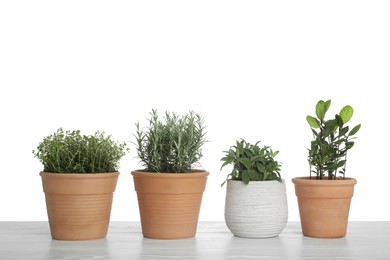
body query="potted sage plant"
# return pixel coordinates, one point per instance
(171, 185)
(79, 178)
(256, 200)
(324, 197)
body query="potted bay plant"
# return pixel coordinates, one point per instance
(169, 188)
(256, 200)
(324, 197)
(79, 178)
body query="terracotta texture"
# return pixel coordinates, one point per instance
(324, 206)
(169, 203)
(256, 210)
(79, 205)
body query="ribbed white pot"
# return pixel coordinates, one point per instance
(256, 210)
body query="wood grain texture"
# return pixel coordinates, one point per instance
(31, 240)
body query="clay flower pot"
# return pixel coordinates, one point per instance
(256, 210)
(79, 205)
(324, 206)
(169, 203)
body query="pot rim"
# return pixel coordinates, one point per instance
(194, 174)
(268, 181)
(307, 181)
(79, 175)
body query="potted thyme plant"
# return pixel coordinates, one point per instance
(324, 197)
(256, 200)
(169, 189)
(79, 177)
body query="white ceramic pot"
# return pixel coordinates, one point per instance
(256, 210)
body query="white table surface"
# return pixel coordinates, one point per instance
(32, 240)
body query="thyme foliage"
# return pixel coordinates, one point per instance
(72, 152)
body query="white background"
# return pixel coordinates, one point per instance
(255, 69)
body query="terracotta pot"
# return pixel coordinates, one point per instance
(79, 205)
(169, 203)
(324, 206)
(256, 210)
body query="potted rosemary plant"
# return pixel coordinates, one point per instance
(324, 197)
(256, 200)
(79, 177)
(169, 189)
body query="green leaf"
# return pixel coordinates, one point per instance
(253, 163)
(327, 105)
(273, 155)
(245, 177)
(320, 110)
(346, 113)
(246, 162)
(325, 159)
(331, 125)
(339, 121)
(312, 122)
(341, 163)
(355, 130)
(349, 145)
(274, 178)
(239, 148)
(343, 131)
(255, 158)
(252, 174)
(224, 164)
(260, 167)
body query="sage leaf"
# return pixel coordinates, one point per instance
(252, 162)
(245, 177)
(274, 154)
(246, 162)
(252, 174)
